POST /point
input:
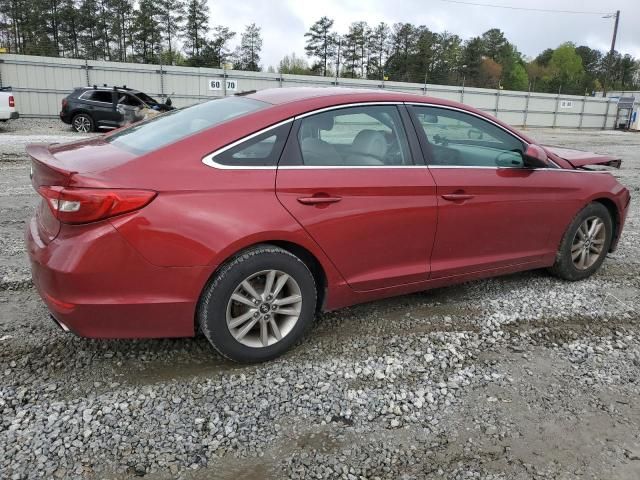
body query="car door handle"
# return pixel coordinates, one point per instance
(457, 197)
(318, 200)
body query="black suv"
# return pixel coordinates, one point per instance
(88, 108)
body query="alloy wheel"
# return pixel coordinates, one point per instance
(82, 124)
(588, 243)
(264, 308)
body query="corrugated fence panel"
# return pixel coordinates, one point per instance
(40, 83)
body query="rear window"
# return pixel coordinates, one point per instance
(98, 96)
(178, 124)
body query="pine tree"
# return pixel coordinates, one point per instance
(379, 48)
(171, 14)
(147, 37)
(196, 26)
(321, 42)
(248, 52)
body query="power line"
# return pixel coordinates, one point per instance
(509, 7)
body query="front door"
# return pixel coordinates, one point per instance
(347, 175)
(494, 211)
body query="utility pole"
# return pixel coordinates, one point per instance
(613, 48)
(615, 33)
(338, 60)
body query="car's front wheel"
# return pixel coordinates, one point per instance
(83, 123)
(258, 304)
(585, 243)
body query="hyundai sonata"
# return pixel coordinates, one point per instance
(243, 216)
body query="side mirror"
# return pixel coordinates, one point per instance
(536, 157)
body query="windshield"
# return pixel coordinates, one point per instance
(146, 98)
(178, 124)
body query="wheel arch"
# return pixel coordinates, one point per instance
(611, 206)
(304, 254)
(81, 111)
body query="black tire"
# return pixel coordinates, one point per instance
(564, 266)
(81, 120)
(212, 307)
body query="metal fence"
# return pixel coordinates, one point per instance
(40, 83)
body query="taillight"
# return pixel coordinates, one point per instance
(64, 103)
(12, 101)
(85, 205)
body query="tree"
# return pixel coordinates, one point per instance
(378, 48)
(472, 56)
(215, 52)
(566, 68)
(321, 42)
(293, 64)
(356, 43)
(248, 52)
(517, 78)
(90, 28)
(196, 26)
(538, 75)
(147, 36)
(120, 25)
(70, 29)
(493, 41)
(545, 57)
(592, 63)
(490, 73)
(447, 58)
(171, 16)
(403, 45)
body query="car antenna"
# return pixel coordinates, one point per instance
(245, 92)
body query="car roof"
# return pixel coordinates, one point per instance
(291, 101)
(110, 89)
(339, 95)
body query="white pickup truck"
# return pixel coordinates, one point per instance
(8, 109)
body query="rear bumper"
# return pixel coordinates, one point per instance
(65, 117)
(4, 116)
(96, 285)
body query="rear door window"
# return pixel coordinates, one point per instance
(98, 96)
(354, 136)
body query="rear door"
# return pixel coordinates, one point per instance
(494, 211)
(101, 104)
(348, 177)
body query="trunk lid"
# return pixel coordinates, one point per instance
(56, 165)
(579, 158)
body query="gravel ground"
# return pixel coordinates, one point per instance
(517, 377)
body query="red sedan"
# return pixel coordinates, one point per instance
(243, 216)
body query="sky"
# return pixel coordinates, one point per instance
(284, 22)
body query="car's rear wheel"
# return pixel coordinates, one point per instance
(585, 243)
(82, 123)
(258, 304)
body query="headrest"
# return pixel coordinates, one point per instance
(321, 121)
(370, 142)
